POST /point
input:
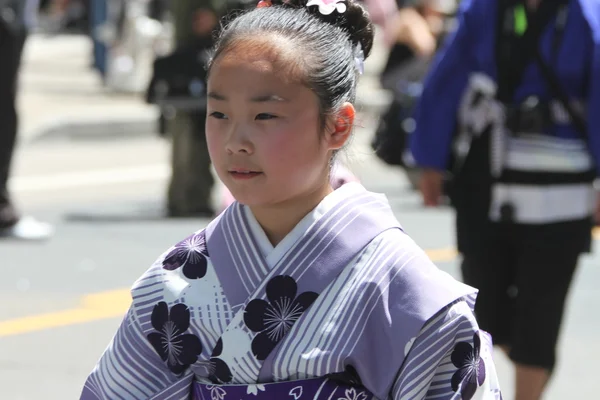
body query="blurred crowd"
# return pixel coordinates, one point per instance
(129, 35)
(151, 47)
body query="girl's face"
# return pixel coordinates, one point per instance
(263, 127)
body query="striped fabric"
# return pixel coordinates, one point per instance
(428, 370)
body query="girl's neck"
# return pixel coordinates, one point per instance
(278, 220)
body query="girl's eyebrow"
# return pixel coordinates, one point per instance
(267, 98)
(216, 96)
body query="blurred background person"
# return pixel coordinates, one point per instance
(413, 31)
(521, 80)
(17, 17)
(179, 88)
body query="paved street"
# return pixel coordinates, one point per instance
(64, 299)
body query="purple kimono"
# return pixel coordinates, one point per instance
(346, 307)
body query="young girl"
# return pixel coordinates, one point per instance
(296, 291)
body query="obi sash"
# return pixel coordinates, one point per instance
(309, 389)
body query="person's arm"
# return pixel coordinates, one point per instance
(436, 111)
(411, 28)
(138, 364)
(593, 102)
(594, 118)
(381, 11)
(129, 368)
(451, 359)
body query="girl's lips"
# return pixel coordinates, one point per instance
(244, 175)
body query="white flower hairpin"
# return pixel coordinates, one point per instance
(359, 58)
(326, 7)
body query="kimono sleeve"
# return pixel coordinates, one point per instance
(437, 109)
(129, 367)
(451, 359)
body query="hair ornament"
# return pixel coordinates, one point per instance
(264, 3)
(359, 59)
(326, 7)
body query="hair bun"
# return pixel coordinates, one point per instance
(355, 20)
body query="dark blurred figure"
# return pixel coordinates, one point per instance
(510, 108)
(67, 15)
(17, 17)
(179, 88)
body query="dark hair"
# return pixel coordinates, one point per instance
(325, 44)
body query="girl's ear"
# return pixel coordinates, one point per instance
(340, 127)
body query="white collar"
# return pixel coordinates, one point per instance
(273, 254)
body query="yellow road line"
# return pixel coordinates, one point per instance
(114, 304)
(93, 307)
(443, 254)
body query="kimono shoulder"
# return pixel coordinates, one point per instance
(400, 291)
(169, 276)
(419, 286)
(137, 364)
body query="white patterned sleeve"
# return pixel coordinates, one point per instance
(129, 368)
(451, 359)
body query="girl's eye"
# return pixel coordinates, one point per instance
(264, 116)
(218, 115)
